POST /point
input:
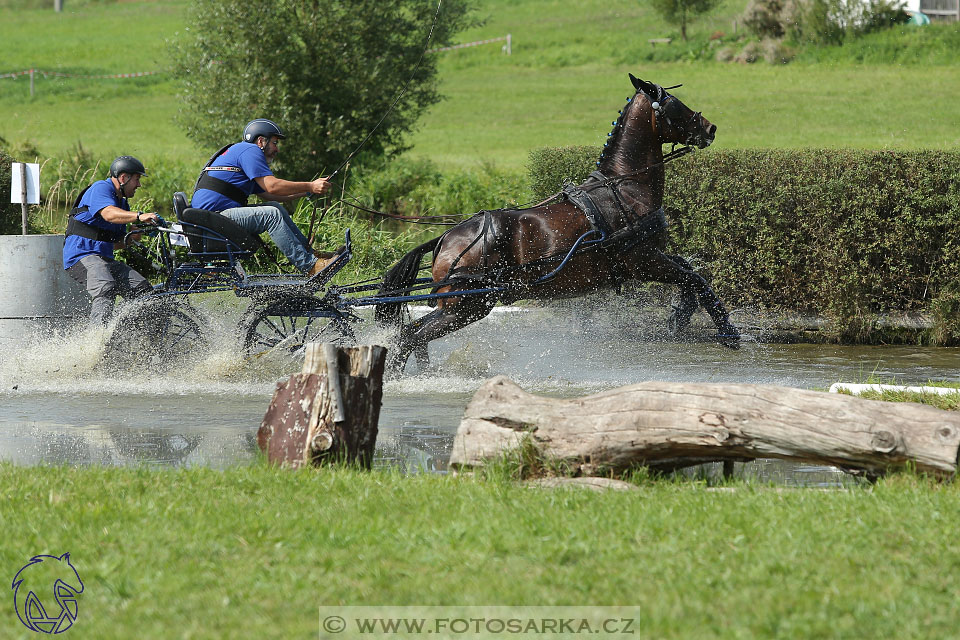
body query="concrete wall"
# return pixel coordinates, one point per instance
(36, 294)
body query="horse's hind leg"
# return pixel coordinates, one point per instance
(658, 266)
(415, 336)
(422, 356)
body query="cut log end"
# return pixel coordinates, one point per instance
(328, 412)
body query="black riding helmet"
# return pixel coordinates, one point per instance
(261, 127)
(126, 164)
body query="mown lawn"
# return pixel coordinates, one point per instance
(252, 552)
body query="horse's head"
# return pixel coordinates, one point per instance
(673, 120)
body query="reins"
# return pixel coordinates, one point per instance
(396, 216)
(442, 220)
(671, 155)
(396, 100)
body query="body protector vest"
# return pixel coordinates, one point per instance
(224, 188)
(85, 229)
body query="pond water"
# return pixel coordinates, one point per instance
(59, 405)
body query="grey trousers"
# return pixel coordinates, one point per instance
(104, 280)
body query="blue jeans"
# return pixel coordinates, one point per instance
(274, 219)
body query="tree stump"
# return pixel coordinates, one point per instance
(329, 411)
(670, 425)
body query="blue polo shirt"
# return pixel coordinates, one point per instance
(252, 164)
(100, 194)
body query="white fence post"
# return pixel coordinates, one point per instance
(23, 195)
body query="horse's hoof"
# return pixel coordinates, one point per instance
(394, 369)
(676, 324)
(728, 342)
(729, 337)
(672, 325)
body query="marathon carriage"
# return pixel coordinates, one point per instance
(203, 253)
(602, 233)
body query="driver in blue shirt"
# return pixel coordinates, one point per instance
(242, 169)
(95, 229)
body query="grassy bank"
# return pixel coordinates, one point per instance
(563, 83)
(252, 552)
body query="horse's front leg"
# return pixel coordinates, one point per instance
(687, 303)
(658, 266)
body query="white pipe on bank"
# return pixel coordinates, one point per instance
(857, 389)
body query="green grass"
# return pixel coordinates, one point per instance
(935, 44)
(947, 402)
(252, 552)
(109, 116)
(93, 38)
(562, 85)
(492, 114)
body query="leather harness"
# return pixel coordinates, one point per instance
(619, 226)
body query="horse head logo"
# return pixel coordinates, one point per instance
(33, 586)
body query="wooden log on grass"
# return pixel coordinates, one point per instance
(328, 412)
(669, 425)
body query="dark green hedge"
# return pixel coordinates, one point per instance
(846, 234)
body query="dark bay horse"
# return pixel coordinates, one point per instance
(614, 218)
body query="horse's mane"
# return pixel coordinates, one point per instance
(613, 138)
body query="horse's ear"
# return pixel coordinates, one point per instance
(642, 85)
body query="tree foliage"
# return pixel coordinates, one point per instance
(827, 22)
(682, 12)
(325, 70)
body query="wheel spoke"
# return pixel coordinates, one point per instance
(155, 332)
(287, 325)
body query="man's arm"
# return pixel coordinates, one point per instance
(265, 195)
(278, 188)
(116, 215)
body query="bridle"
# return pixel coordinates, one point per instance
(666, 106)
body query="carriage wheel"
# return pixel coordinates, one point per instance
(285, 325)
(159, 333)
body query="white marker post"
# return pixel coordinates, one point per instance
(24, 187)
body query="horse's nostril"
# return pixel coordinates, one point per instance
(712, 130)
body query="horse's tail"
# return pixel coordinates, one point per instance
(400, 276)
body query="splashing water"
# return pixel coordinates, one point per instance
(60, 404)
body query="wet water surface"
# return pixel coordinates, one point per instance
(59, 405)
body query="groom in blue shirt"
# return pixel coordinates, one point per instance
(95, 229)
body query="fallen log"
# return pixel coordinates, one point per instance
(670, 425)
(327, 412)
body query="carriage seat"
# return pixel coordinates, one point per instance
(209, 232)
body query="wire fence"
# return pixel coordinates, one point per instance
(58, 74)
(507, 48)
(32, 73)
